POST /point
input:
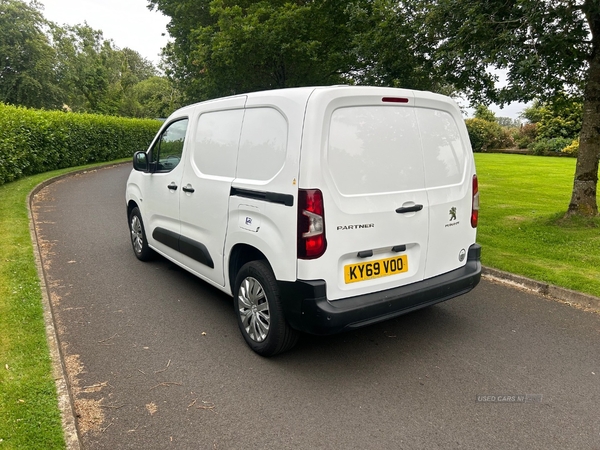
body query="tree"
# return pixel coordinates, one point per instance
(26, 57)
(556, 119)
(156, 98)
(391, 46)
(484, 113)
(257, 45)
(547, 48)
(95, 75)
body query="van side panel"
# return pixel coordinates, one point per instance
(264, 194)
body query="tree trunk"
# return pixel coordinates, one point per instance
(583, 200)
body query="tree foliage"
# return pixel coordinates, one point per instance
(26, 57)
(542, 45)
(555, 119)
(45, 65)
(155, 97)
(96, 76)
(260, 45)
(546, 47)
(484, 113)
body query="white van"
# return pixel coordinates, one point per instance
(318, 209)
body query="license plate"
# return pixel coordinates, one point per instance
(375, 269)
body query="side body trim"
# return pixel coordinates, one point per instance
(271, 197)
(195, 250)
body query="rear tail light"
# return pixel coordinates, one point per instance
(475, 208)
(311, 224)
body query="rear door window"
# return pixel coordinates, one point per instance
(375, 149)
(443, 149)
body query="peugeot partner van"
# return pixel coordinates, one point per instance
(318, 209)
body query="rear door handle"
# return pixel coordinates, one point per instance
(172, 187)
(188, 188)
(407, 209)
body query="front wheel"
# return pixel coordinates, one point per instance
(259, 312)
(138, 236)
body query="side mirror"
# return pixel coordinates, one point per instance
(140, 161)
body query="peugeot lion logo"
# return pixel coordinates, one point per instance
(453, 213)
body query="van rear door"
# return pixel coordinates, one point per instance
(373, 182)
(392, 168)
(449, 170)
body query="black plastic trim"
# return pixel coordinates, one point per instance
(271, 197)
(195, 250)
(407, 209)
(169, 238)
(307, 308)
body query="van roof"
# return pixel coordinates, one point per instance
(303, 93)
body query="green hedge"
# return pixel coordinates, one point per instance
(33, 141)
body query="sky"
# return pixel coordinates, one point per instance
(512, 110)
(129, 23)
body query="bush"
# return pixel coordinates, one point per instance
(560, 118)
(486, 135)
(554, 145)
(566, 127)
(33, 141)
(572, 149)
(525, 135)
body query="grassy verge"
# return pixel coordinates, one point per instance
(29, 415)
(523, 199)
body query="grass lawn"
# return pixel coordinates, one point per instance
(29, 415)
(523, 199)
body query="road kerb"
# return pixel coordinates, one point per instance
(573, 298)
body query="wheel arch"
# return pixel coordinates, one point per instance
(241, 254)
(130, 205)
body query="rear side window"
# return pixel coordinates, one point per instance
(375, 149)
(443, 149)
(263, 144)
(217, 139)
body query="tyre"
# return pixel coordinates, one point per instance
(259, 312)
(138, 236)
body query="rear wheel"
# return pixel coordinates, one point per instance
(138, 236)
(259, 312)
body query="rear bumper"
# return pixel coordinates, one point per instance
(307, 309)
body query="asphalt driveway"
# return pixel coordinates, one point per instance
(155, 359)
